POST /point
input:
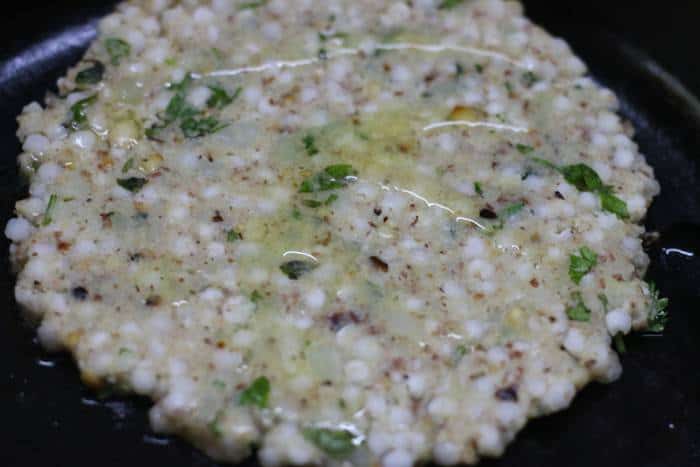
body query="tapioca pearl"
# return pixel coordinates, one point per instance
(617, 321)
(623, 158)
(136, 40)
(376, 405)
(536, 387)
(182, 246)
(49, 334)
(400, 416)
(84, 248)
(216, 250)
(18, 229)
(213, 33)
(397, 14)
(588, 200)
(558, 395)
(524, 269)
(315, 299)
(497, 355)
(148, 195)
(38, 269)
(594, 236)
(177, 213)
(481, 269)
(238, 309)
(609, 122)
(562, 104)
(367, 348)
(398, 458)
(475, 329)
(272, 30)
(143, 379)
(199, 96)
(203, 16)
(211, 295)
(575, 341)
(509, 414)
(441, 407)
(84, 140)
(258, 276)
(357, 371)
(488, 440)
(36, 144)
(555, 253)
(226, 360)
(636, 205)
(631, 244)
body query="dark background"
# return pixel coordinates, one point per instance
(647, 419)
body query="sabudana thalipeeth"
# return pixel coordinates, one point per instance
(341, 233)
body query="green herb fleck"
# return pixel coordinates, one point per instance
(78, 113)
(233, 236)
(194, 128)
(117, 49)
(459, 354)
(657, 317)
(579, 311)
(330, 178)
(133, 184)
(48, 213)
(128, 165)
(91, 75)
(255, 296)
(582, 177)
(479, 68)
(124, 351)
(511, 210)
(311, 203)
(449, 4)
(217, 383)
(582, 264)
(603, 301)
(296, 268)
(214, 427)
(256, 394)
(479, 190)
(220, 98)
(619, 341)
(335, 443)
(509, 87)
(332, 197)
(310, 144)
(459, 70)
(524, 149)
(252, 5)
(545, 163)
(528, 79)
(296, 213)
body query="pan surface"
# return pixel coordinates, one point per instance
(649, 418)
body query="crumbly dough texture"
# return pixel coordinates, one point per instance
(346, 199)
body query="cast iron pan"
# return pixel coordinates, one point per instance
(648, 418)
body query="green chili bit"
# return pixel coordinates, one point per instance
(233, 235)
(117, 49)
(133, 184)
(220, 98)
(330, 178)
(335, 443)
(296, 268)
(524, 149)
(91, 75)
(128, 165)
(50, 206)
(310, 144)
(449, 4)
(256, 394)
(78, 113)
(582, 264)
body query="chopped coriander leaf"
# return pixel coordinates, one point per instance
(582, 264)
(613, 204)
(214, 427)
(255, 296)
(511, 210)
(220, 98)
(479, 190)
(509, 87)
(133, 184)
(330, 199)
(330, 178)
(252, 5)
(53, 199)
(322, 53)
(195, 128)
(117, 49)
(128, 165)
(619, 341)
(603, 301)
(479, 68)
(296, 213)
(335, 443)
(91, 75)
(582, 177)
(310, 144)
(78, 115)
(449, 4)
(219, 384)
(296, 268)
(311, 203)
(657, 317)
(459, 354)
(256, 394)
(579, 311)
(178, 108)
(524, 149)
(528, 79)
(233, 235)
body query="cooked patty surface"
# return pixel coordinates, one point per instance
(343, 232)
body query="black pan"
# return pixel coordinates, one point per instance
(648, 418)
